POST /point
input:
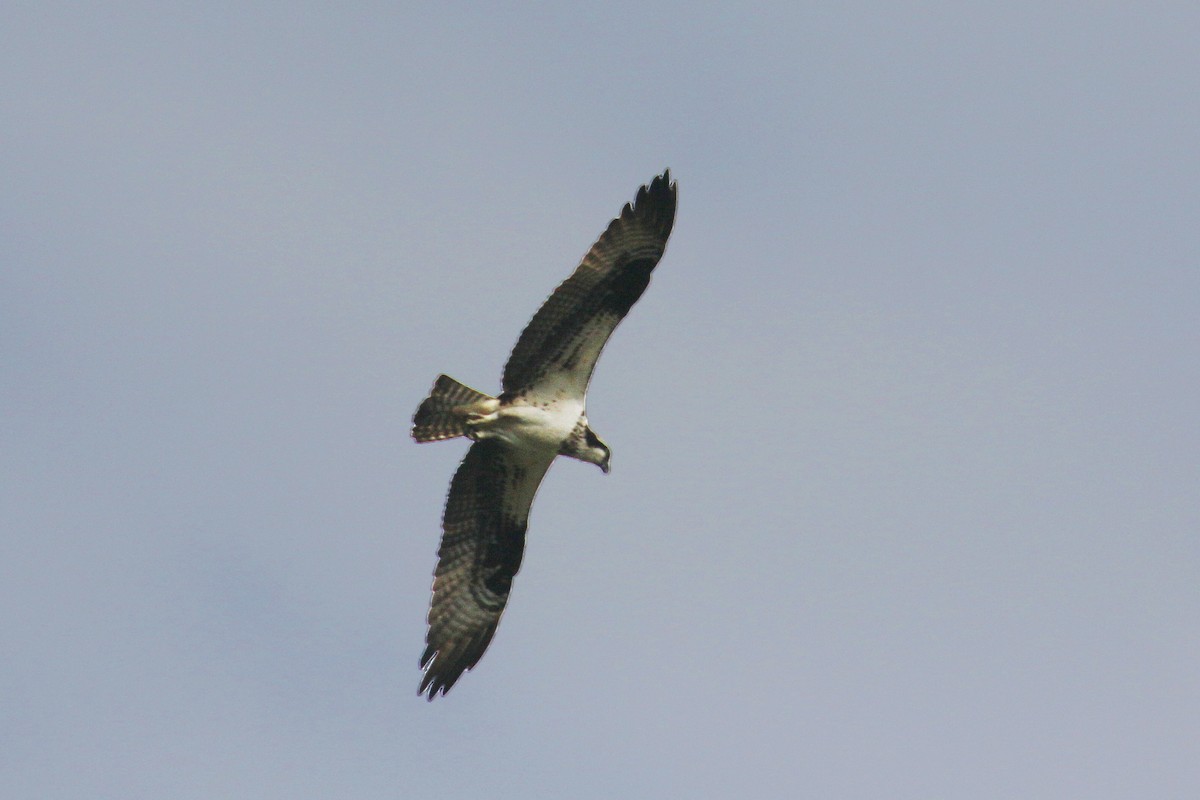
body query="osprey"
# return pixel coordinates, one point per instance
(540, 414)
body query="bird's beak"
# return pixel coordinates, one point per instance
(605, 468)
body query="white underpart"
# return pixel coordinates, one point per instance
(537, 423)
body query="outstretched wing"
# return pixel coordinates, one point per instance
(483, 540)
(560, 345)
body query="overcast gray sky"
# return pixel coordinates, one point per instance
(906, 469)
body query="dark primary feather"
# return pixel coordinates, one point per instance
(483, 540)
(568, 332)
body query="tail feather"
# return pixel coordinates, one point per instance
(442, 414)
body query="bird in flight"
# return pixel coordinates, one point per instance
(540, 414)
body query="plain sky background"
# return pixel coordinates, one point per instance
(905, 499)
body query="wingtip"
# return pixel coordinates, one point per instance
(444, 665)
(429, 690)
(663, 181)
(655, 200)
(662, 188)
(658, 185)
(434, 683)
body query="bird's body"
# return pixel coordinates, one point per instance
(539, 415)
(541, 424)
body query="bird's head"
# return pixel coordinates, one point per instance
(596, 451)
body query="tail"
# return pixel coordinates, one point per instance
(444, 413)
